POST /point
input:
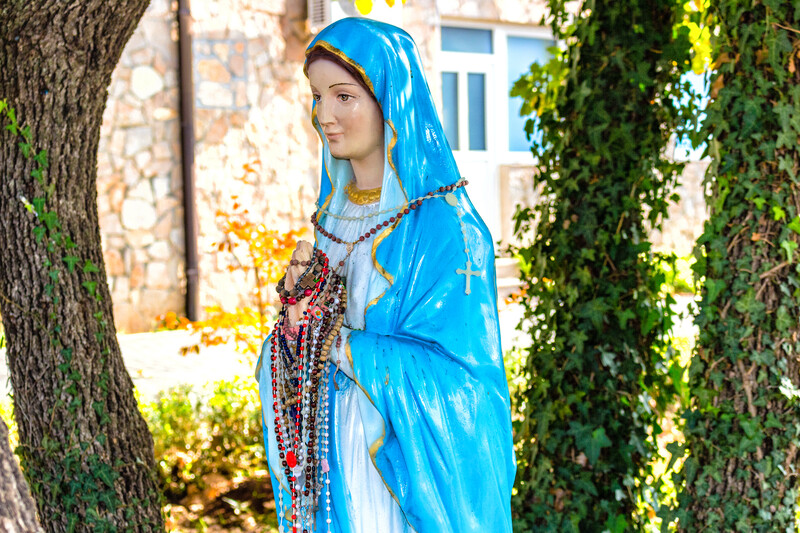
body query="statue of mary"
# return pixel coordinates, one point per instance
(417, 428)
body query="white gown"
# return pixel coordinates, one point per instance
(371, 507)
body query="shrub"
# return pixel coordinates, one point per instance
(196, 435)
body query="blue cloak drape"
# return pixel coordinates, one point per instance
(435, 407)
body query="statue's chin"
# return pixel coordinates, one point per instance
(339, 154)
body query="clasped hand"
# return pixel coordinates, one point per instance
(303, 252)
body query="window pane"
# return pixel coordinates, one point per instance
(476, 90)
(522, 51)
(450, 108)
(466, 40)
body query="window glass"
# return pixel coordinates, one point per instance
(450, 108)
(522, 51)
(476, 91)
(466, 40)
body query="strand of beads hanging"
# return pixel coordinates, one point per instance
(362, 196)
(303, 288)
(445, 191)
(300, 375)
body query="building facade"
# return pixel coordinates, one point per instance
(252, 110)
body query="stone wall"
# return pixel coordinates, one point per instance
(252, 107)
(139, 176)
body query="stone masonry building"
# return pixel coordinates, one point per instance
(252, 107)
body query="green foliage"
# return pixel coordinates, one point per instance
(7, 415)
(209, 450)
(601, 366)
(742, 437)
(72, 478)
(210, 455)
(195, 435)
(678, 275)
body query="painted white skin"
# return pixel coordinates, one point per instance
(351, 120)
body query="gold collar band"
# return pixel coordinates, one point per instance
(362, 197)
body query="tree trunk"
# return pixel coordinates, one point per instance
(17, 510)
(86, 450)
(596, 382)
(742, 434)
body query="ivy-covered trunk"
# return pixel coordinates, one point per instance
(742, 430)
(85, 449)
(597, 370)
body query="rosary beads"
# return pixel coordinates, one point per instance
(399, 215)
(298, 364)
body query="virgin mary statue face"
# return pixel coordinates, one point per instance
(349, 116)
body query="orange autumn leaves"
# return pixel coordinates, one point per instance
(261, 254)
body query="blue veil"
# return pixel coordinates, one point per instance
(435, 407)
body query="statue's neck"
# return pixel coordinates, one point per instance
(368, 172)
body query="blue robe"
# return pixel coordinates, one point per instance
(429, 360)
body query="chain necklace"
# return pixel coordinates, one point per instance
(445, 191)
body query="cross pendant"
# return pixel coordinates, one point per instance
(467, 272)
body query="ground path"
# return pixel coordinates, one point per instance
(155, 363)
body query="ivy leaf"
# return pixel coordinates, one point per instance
(759, 202)
(41, 158)
(576, 338)
(714, 287)
(90, 286)
(778, 213)
(39, 232)
(595, 311)
(616, 524)
(650, 321)
(782, 319)
(589, 441)
(38, 174)
(71, 261)
(38, 205)
(794, 225)
(623, 317)
(789, 247)
(50, 219)
(748, 304)
(609, 360)
(789, 390)
(26, 149)
(66, 353)
(90, 268)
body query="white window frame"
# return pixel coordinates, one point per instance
(497, 97)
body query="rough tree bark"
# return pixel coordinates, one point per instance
(741, 431)
(86, 450)
(17, 510)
